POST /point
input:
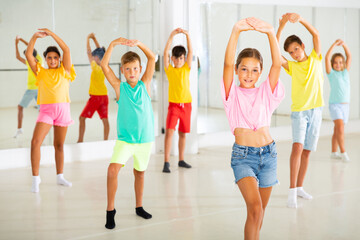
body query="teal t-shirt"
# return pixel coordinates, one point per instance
(339, 86)
(135, 119)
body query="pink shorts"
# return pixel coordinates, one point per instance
(57, 114)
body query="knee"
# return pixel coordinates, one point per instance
(59, 146)
(256, 213)
(81, 119)
(139, 175)
(112, 172)
(182, 135)
(20, 108)
(297, 147)
(35, 143)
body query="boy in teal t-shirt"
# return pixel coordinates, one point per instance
(135, 122)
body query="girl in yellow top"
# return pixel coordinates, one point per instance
(54, 101)
(98, 100)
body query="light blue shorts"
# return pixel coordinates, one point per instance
(257, 162)
(29, 95)
(339, 111)
(306, 127)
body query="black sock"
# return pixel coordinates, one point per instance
(183, 164)
(142, 213)
(110, 219)
(166, 167)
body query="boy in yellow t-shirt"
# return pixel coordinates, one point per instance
(307, 102)
(179, 96)
(32, 90)
(98, 100)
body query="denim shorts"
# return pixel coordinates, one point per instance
(306, 127)
(257, 162)
(339, 111)
(29, 95)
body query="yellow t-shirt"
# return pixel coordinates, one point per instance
(97, 80)
(179, 84)
(31, 83)
(307, 83)
(53, 84)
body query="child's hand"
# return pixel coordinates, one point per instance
(284, 19)
(243, 25)
(17, 39)
(132, 43)
(47, 31)
(91, 35)
(41, 34)
(259, 25)
(184, 31)
(339, 42)
(119, 41)
(176, 31)
(293, 17)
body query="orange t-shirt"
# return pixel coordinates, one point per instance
(53, 84)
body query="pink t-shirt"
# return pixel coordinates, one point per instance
(251, 107)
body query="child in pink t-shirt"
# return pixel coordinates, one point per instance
(249, 110)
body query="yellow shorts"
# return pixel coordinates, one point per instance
(140, 151)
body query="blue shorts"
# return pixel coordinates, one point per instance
(339, 111)
(306, 127)
(257, 162)
(29, 95)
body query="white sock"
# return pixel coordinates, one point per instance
(303, 194)
(35, 184)
(62, 181)
(335, 155)
(344, 156)
(292, 201)
(18, 132)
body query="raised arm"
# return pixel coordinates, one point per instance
(108, 72)
(150, 67)
(266, 28)
(66, 59)
(282, 22)
(230, 51)
(168, 45)
(18, 56)
(294, 17)
(328, 56)
(347, 54)
(88, 47)
(189, 47)
(29, 51)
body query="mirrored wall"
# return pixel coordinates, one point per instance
(217, 20)
(72, 21)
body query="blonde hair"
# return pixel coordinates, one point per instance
(130, 57)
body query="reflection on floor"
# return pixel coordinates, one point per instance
(209, 120)
(198, 203)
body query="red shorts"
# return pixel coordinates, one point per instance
(96, 103)
(178, 111)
